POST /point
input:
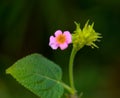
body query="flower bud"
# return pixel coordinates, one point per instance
(87, 36)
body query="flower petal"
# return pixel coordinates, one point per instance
(68, 36)
(54, 46)
(53, 43)
(63, 46)
(58, 32)
(51, 40)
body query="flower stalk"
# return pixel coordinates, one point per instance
(71, 78)
(81, 37)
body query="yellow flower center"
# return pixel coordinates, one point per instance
(61, 39)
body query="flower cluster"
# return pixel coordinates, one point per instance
(87, 36)
(80, 38)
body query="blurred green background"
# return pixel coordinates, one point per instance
(25, 27)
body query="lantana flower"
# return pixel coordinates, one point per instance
(61, 40)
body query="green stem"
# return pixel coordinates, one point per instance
(71, 79)
(68, 88)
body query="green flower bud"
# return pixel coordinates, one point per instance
(87, 36)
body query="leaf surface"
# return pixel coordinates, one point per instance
(39, 75)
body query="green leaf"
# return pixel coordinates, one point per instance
(39, 75)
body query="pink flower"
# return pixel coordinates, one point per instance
(60, 40)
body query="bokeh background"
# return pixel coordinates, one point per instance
(25, 27)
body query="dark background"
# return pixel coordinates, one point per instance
(25, 27)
